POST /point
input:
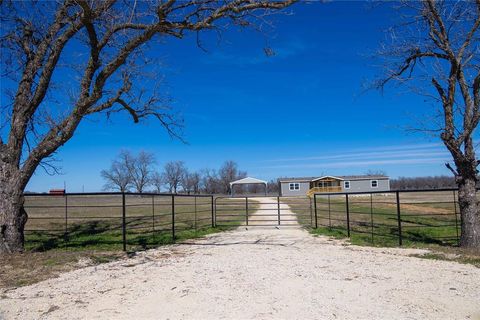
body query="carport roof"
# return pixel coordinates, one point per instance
(248, 180)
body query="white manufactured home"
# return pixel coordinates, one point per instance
(327, 184)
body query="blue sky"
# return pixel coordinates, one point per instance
(301, 112)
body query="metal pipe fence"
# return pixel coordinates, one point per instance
(133, 220)
(396, 217)
(113, 220)
(276, 211)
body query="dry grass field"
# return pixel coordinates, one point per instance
(83, 221)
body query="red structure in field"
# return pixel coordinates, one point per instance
(57, 191)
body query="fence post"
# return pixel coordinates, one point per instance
(153, 217)
(173, 218)
(246, 210)
(195, 214)
(329, 213)
(66, 221)
(315, 209)
(371, 213)
(456, 217)
(348, 214)
(278, 209)
(399, 219)
(213, 212)
(124, 223)
(311, 211)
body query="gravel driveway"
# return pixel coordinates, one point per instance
(259, 273)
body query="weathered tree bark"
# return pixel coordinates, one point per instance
(468, 203)
(12, 214)
(12, 224)
(466, 178)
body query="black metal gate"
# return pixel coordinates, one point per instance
(263, 211)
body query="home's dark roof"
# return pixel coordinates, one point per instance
(357, 177)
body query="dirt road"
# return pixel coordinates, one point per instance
(259, 273)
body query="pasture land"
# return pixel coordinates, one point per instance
(421, 218)
(96, 221)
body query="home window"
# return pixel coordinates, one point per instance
(294, 186)
(346, 184)
(374, 183)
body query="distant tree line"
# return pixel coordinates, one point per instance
(138, 173)
(429, 182)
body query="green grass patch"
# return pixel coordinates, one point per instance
(388, 236)
(425, 220)
(95, 222)
(90, 239)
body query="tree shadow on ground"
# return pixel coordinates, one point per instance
(78, 235)
(99, 235)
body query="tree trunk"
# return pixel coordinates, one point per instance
(467, 200)
(12, 214)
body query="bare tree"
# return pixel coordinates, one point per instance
(191, 182)
(228, 173)
(157, 181)
(209, 181)
(413, 183)
(371, 172)
(105, 40)
(140, 169)
(118, 176)
(195, 182)
(173, 175)
(186, 183)
(130, 171)
(438, 41)
(273, 186)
